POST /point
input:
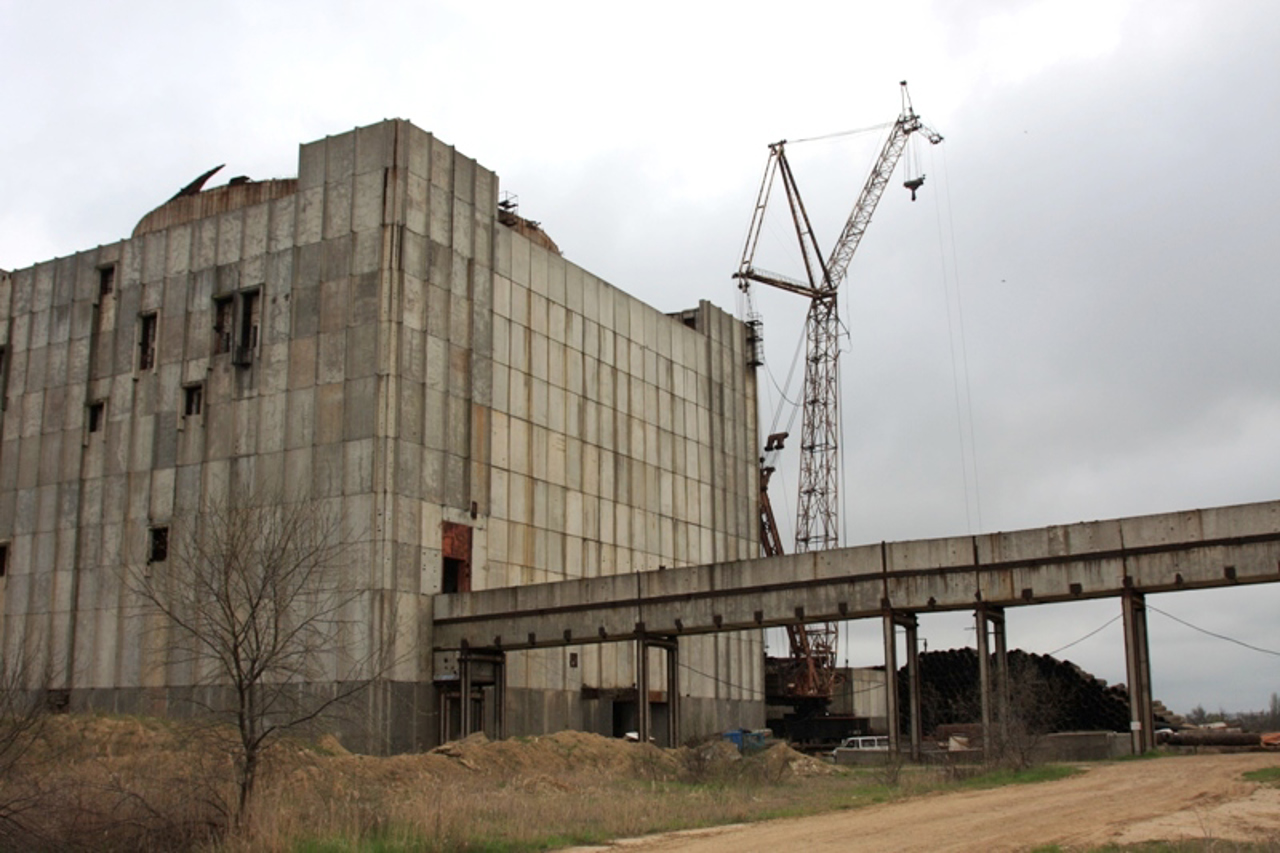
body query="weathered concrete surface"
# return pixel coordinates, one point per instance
(370, 339)
(1197, 549)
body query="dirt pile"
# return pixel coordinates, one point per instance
(134, 783)
(562, 753)
(783, 761)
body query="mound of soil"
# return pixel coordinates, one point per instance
(561, 753)
(783, 761)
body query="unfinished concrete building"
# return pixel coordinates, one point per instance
(482, 412)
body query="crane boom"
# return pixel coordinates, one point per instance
(860, 217)
(813, 647)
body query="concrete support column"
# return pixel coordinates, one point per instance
(1000, 636)
(464, 696)
(893, 698)
(642, 689)
(500, 696)
(993, 675)
(911, 625)
(673, 692)
(1137, 659)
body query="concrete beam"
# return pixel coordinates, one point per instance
(1197, 549)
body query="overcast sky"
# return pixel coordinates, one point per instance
(1077, 320)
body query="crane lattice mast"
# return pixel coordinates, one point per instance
(817, 523)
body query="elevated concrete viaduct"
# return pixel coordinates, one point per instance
(1126, 558)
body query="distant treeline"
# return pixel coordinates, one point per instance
(1249, 721)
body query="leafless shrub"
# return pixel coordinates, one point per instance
(889, 771)
(23, 705)
(1024, 717)
(257, 597)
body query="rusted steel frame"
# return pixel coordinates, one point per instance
(804, 229)
(779, 282)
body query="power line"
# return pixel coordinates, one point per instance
(749, 690)
(1213, 634)
(1085, 637)
(957, 343)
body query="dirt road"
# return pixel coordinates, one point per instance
(1164, 799)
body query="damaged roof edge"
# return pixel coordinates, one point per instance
(233, 196)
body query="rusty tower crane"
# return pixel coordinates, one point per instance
(813, 647)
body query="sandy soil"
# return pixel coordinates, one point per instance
(1165, 799)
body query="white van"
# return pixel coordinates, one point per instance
(864, 743)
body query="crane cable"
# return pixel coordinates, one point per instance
(840, 133)
(959, 364)
(746, 308)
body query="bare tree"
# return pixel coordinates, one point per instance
(22, 722)
(1027, 715)
(257, 595)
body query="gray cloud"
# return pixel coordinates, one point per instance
(1100, 217)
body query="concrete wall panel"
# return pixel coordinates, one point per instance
(463, 371)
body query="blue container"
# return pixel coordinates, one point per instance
(747, 741)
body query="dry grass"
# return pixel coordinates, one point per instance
(523, 794)
(117, 783)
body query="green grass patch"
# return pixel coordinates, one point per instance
(366, 845)
(1000, 778)
(1267, 776)
(515, 821)
(480, 844)
(1203, 845)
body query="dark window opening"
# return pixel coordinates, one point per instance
(457, 558)
(625, 717)
(455, 577)
(96, 415)
(147, 342)
(106, 279)
(249, 322)
(4, 559)
(236, 321)
(159, 551)
(223, 324)
(192, 400)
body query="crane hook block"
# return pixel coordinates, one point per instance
(914, 184)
